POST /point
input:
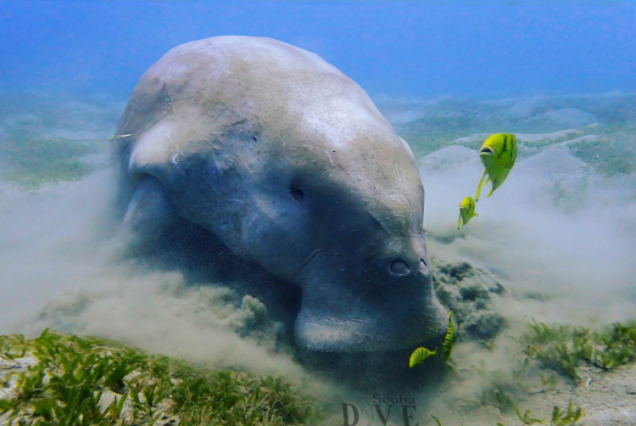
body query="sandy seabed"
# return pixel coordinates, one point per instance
(555, 243)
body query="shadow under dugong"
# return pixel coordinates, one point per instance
(290, 165)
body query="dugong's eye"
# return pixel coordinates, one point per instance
(296, 193)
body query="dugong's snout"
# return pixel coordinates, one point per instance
(366, 311)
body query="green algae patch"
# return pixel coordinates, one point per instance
(547, 373)
(33, 161)
(69, 380)
(565, 348)
(609, 159)
(611, 150)
(569, 416)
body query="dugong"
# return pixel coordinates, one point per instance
(290, 165)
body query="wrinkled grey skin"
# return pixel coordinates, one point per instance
(288, 162)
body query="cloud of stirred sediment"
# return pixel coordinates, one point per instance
(63, 268)
(569, 236)
(567, 239)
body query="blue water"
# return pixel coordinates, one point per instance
(405, 48)
(558, 237)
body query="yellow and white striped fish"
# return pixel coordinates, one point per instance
(449, 338)
(498, 155)
(466, 211)
(420, 355)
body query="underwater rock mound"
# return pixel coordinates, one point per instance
(468, 290)
(554, 119)
(569, 117)
(449, 158)
(543, 138)
(557, 174)
(553, 163)
(525, 108)
(459, 116)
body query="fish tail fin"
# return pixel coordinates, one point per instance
(436, 352)
(479, 186)
(475, 215)
(492, 190)
(459, 222)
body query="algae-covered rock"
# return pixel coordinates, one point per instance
(468, 291)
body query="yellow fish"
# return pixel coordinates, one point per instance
(498, 155)
(466, 211)
(420, 355)
(449, 338)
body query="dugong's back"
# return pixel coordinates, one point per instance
(214, 83)
(288, 162)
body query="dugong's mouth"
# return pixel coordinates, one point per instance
(360, 329)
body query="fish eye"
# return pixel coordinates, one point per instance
(296, 193)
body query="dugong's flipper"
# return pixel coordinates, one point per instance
(149, 213)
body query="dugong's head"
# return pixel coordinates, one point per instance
(288, 162)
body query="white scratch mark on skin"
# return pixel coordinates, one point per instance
(330, 160)
(122, 136)
(320, 78)
(425, 216)
(176, 163)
